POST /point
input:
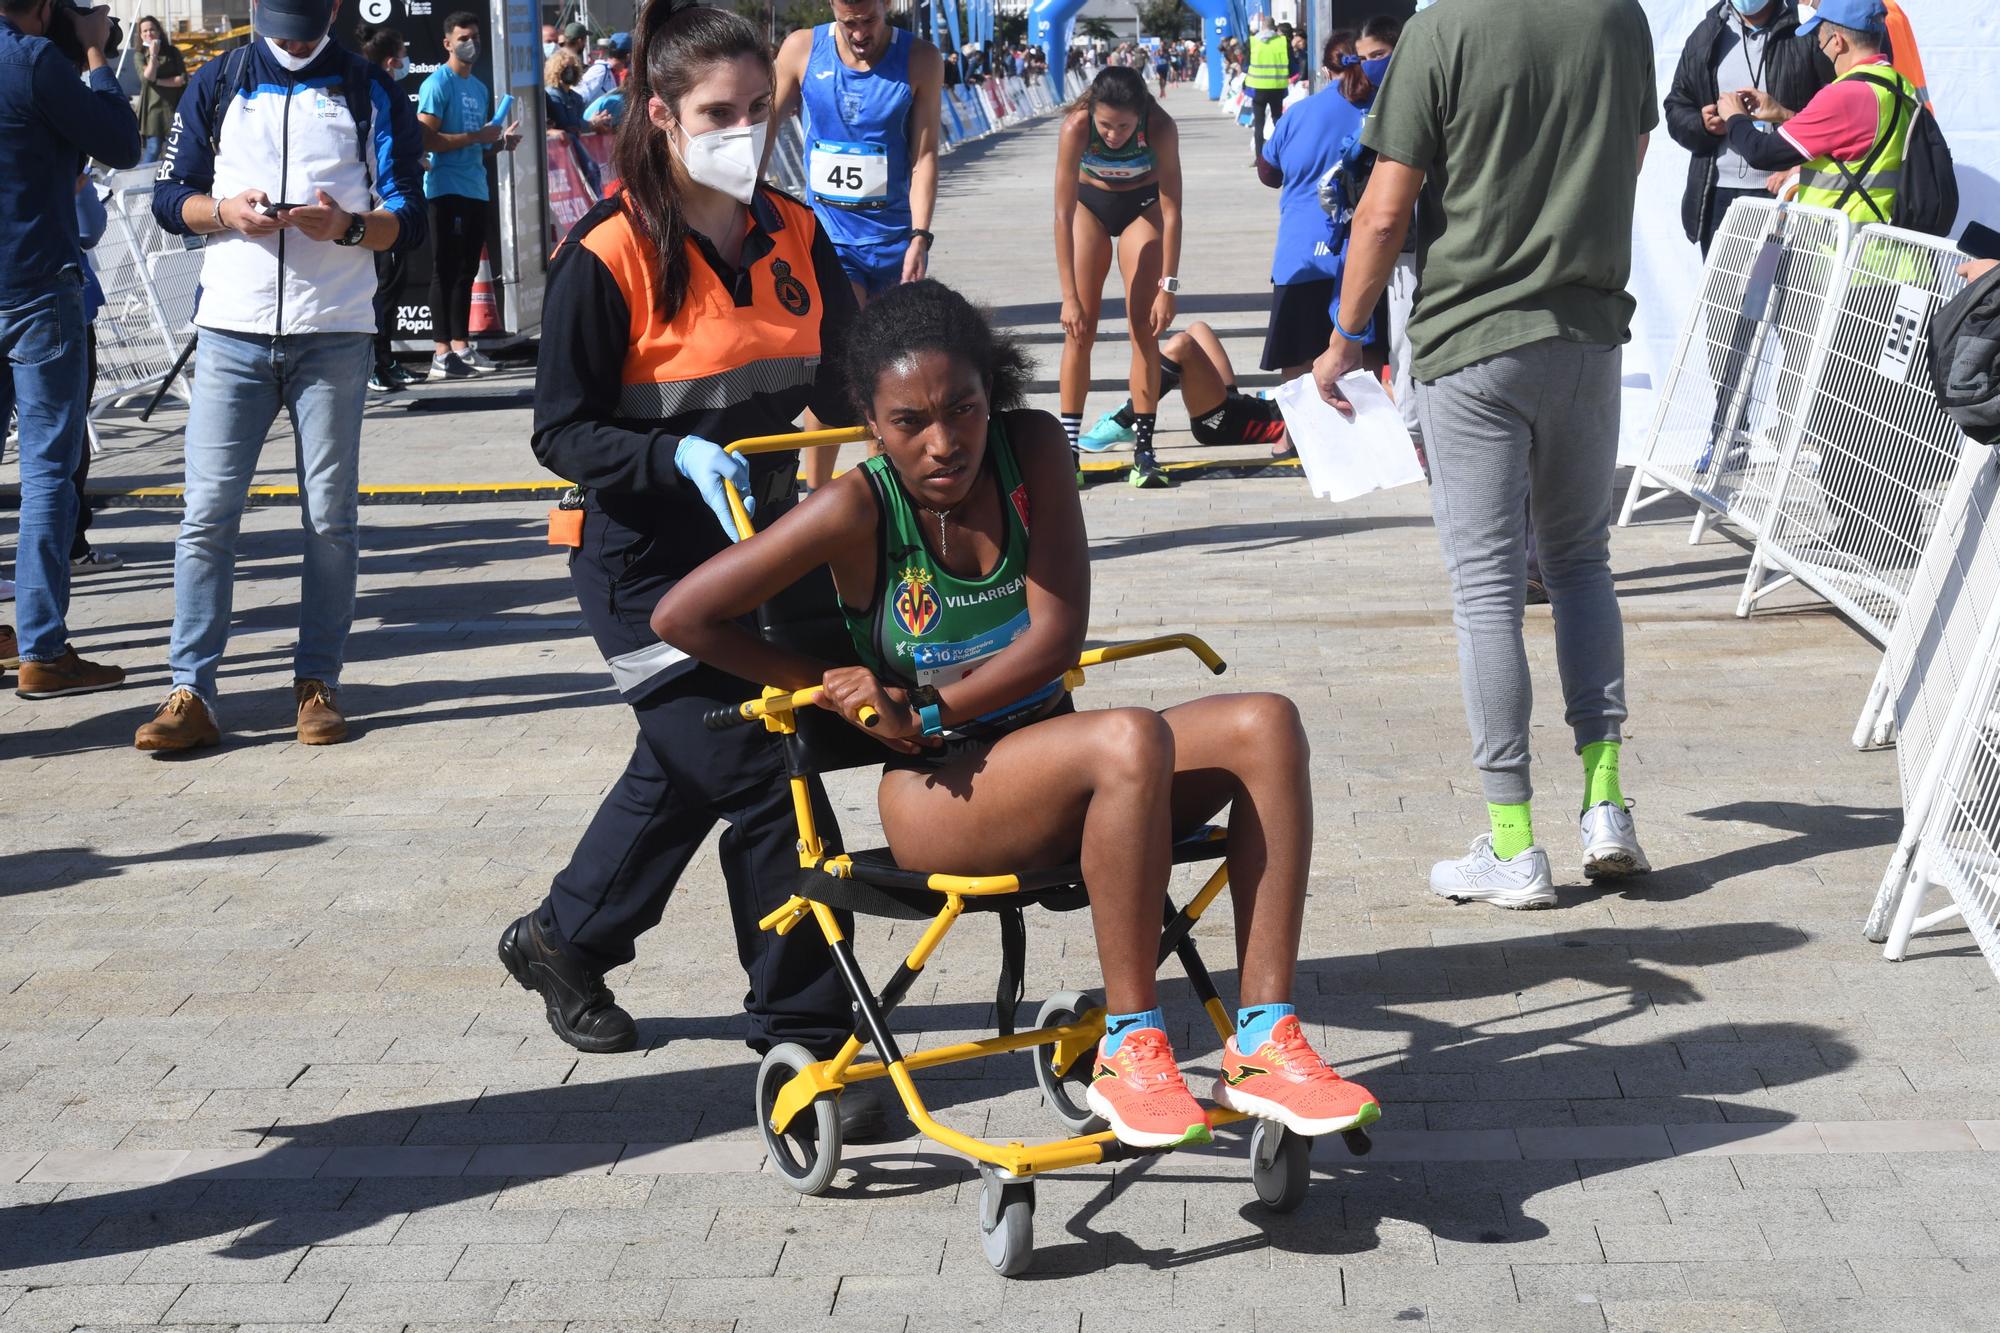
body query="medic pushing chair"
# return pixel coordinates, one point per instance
(962, 648)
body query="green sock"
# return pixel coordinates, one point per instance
(1600, 774)
(1513, 829)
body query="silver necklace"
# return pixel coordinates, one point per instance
(944, 537)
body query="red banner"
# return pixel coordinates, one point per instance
(570, 195)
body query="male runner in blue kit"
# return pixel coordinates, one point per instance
(868, 94)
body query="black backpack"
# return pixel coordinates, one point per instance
(1927, 197)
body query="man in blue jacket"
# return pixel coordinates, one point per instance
(295, 159)
(50, 123)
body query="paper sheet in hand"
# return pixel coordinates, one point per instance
(1343, 458)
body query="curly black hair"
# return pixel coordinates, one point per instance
(928, 316)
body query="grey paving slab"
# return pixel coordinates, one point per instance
(414, 1302)
(256, 1302)
(255, 1052)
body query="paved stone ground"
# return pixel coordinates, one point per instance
(258, 1066)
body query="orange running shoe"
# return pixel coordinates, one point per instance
(1141, 1093)
(1285, 1080)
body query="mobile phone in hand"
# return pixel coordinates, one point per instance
(1980, 241)
(271, 210)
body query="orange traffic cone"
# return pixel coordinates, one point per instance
(484, 317)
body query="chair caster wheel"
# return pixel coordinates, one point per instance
(1357, 1141)
(1006, 1222)
(807, 1155)
(1280, 1166)
(1065, 1092)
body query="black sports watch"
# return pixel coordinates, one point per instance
(929, 240)
(357, 228)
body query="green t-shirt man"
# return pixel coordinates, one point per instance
(1525, 119)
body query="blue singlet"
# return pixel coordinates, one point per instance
(857, 128)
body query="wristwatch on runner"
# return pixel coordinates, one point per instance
(1170, 285)
(929, 708)
(929, 240)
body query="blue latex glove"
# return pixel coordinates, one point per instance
(707, 464)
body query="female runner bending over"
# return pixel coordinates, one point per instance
(1118, 179)
(962, 546)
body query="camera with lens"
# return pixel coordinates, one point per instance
(63, 15)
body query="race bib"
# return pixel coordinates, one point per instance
(849, 175)
(942, 664)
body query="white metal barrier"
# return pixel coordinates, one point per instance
(1955, 587)
(1935, 652)
(1958, 842)
(1858, 487)
(136, 342)
(1744, 364)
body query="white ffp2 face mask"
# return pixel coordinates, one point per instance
(292, 62)
(727, 160)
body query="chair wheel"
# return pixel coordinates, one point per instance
(1280, 1166)
(1065, 1092)
(807, 1154)
(1006, 1222)
(1357, 1141)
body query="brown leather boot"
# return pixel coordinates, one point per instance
(10, 647)
(183, 722)
(320, 719)
(68, 674)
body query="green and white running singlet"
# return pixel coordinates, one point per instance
(928, 626)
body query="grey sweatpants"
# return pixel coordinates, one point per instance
(1542, 419)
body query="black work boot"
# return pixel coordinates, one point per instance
(864, 1116)
(580, 1005)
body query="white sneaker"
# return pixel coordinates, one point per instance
(6, 590)
(1610, 843)
(1523, 880)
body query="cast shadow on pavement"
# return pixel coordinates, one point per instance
(1246, 538)
(1571, 1037)
(64, 867)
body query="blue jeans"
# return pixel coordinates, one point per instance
(43, 339)
(240, 382)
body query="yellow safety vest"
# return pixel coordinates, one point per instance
(1270, 62)
(1822, 183)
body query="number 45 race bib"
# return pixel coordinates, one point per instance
(850, 175)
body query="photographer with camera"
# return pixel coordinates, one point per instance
(297, 160)
(51, 123)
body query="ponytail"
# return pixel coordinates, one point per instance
(677, 44)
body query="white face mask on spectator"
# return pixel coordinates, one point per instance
(292, 62)
(727, 160)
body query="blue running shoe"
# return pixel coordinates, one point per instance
(1106, 434)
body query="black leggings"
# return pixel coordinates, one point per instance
(458, 234)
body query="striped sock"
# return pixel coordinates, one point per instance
(1072, 427)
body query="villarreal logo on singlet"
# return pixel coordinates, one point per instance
(914, 602)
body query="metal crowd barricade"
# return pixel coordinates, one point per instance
(136, 343)
(1954, 588)
(1857, 491)
(1745, 363)
(1958, 844)
(1935, 651)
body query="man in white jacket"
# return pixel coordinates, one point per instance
(295, 159)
